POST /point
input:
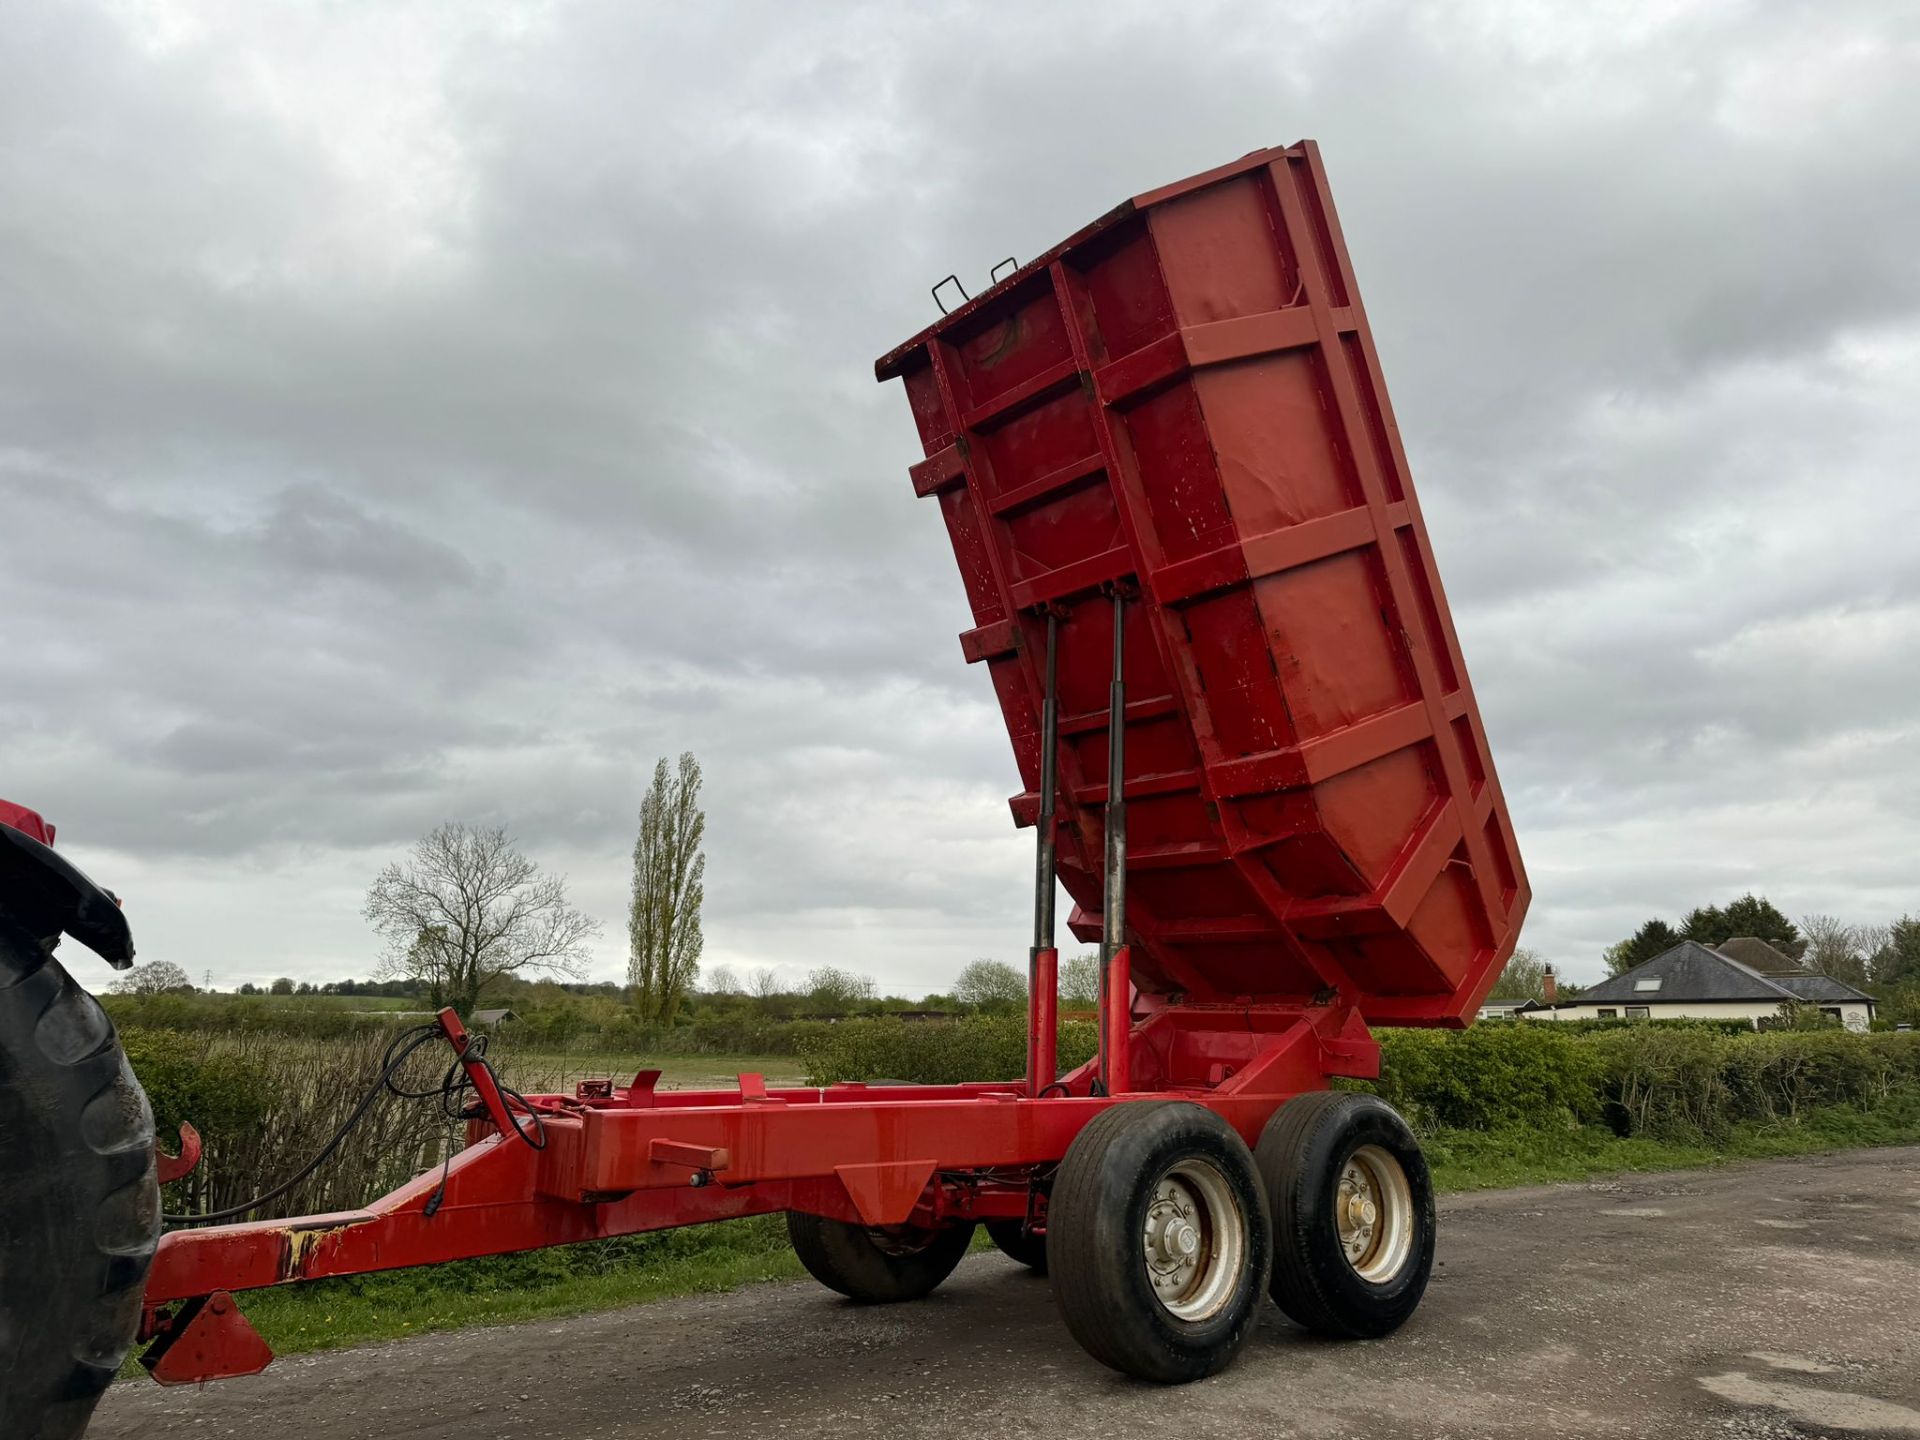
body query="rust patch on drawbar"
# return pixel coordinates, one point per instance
(297, 1247)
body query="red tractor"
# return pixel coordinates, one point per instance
(1204, 596)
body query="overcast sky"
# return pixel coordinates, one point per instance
(424, 411)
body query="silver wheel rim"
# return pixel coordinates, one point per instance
(1194, 1240)
(1373, 1211)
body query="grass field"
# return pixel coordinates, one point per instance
(334, 1002)
(606, 1274)
(537, 1070)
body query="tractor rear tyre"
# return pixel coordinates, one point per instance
(1353, 1215)
(1017, 1242)
(79, 1205)
(1158, 1240)
(877, 1266)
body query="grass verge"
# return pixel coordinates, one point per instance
(1501, 1159)
(601, 1275)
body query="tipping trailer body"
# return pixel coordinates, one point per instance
(1184, 401)
(1164, 456)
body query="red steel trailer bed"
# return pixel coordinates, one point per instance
(1182, 405)
(1204, 596)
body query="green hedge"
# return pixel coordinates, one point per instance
(595, 1026)
(1665, 1080)
(265, 1102)
(930, 1052)
(1658, 1080)
(1489, 1076)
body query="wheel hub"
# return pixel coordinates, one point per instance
(1373, 1212)
(1193, 1240)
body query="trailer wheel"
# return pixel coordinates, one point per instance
(876, 1267)
(1353, 1219)
(79, 1205)
(1017, 1242)
(1158, 1240)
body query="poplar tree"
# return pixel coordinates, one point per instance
(669, 873)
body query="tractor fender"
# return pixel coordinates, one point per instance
(48, 895)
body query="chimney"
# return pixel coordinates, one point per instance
(1549, 987)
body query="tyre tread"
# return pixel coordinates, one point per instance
(1302, 1265)
(843, 1257)
(1095, 1284)
(70, 1291)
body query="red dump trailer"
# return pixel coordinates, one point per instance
(1203, 594)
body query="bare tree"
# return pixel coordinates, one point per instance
(467, 909)
(991, 985)
(155, 977)
(669, 872)
(763, 982)
(1835, 948)
(1874, 943)
(722, 981)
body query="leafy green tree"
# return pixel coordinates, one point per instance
(1706, 924)
(1523, 979)
(1896, 960)
(991, 985)
(1749, 915)
(1898, 1003)
(1655, 937)
(833, 991)
(1080, 981)
(155, 977)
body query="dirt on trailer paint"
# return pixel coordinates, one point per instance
(1779, 1298)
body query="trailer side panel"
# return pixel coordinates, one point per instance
(1184, 401)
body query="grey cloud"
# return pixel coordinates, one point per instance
(429, 413)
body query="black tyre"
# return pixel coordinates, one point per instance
(1158, 1240)
(876, 1267)
(79, 1205)
(1017, 1242)
(1353, 1220)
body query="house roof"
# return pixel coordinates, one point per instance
(1691, 971)
(1821, 989)
(490, 1017)
(1757, 954)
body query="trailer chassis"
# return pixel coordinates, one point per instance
(636, 1158)
(888, 1158)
